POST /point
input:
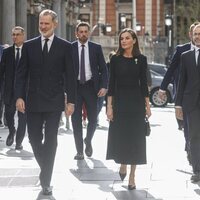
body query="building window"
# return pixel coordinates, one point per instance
(123, 1)
(125, 20)
(84, 18)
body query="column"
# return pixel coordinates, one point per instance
(21, 14)
(57, 9)
(63, 19)
(8, 21)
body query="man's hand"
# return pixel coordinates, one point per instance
(20, 105)
(102, 92)
(69, 109)
(179, 113)
(162, 94)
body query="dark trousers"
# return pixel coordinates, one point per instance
(10, 110)
(44, 144)
(85, 94)
(186, 132)
(194, 138)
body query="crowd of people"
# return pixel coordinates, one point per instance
(45, 76)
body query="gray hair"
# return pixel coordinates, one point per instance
(53, 14)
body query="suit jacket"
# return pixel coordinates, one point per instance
(97, 64)
(42, 84)
(174, 68)
(7, 73)
(189, 84)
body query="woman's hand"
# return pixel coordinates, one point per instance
(148, 111)
(109, 113)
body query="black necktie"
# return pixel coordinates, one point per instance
(82, 70)
(17, 57)
(45, 49)
(198, 60)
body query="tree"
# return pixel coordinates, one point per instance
(186, 12)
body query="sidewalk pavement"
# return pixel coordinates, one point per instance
(165, 177)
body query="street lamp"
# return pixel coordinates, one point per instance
(138, 27)
(168, 23)
(123, 21)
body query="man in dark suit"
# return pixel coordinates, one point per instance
(8, 67)
(45, 71)
(188, 99)
(172, 75)
(91, 85)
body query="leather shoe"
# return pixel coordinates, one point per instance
(10, 139)
(47, 191)
(131, 187)
(79, 156)
(88, 148)
(18, 147)
(195, 177)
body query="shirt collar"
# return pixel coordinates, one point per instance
(50, 38)
(80, 44)
(196, 48)
(18, 47)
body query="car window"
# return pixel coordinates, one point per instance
(159, 68)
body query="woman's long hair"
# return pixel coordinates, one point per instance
(136, 50)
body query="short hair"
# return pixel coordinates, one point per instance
(193, 25)
(18, 28)
(53, 14)
(82, 24)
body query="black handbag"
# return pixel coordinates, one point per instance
(147, 127)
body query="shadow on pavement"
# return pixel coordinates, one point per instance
(133, 194)
(44, 197)
(95, 172)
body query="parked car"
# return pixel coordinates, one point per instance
(154, 88)
(157, 67)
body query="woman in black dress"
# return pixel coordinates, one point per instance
(128, 104)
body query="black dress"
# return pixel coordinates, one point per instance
(128, 87)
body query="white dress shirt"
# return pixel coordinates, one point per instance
(49, 43)
(88, 73)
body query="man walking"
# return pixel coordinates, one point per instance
(92, 80)
(188, 99)
(45, 71)
(173, 72)
(8, 67)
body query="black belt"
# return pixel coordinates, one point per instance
(86, 82)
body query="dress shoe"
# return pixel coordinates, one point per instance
(195, 177)
(88, 148)
(10, 139)
(122, 176)
(131, 187)
(79, 156)
(47, 191)
(18, 147)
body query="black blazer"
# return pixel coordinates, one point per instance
(174, 68)
(42, 85)
(97, 64)
(189, 84)
(7, 73)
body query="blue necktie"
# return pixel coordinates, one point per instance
(82, 70)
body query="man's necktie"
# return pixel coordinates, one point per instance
(17, 57)
(82, 70)
(198, 61)
(45, 49)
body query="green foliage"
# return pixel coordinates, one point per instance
(186, 12)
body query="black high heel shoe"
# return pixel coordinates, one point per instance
(131, 187)
(122, 176)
